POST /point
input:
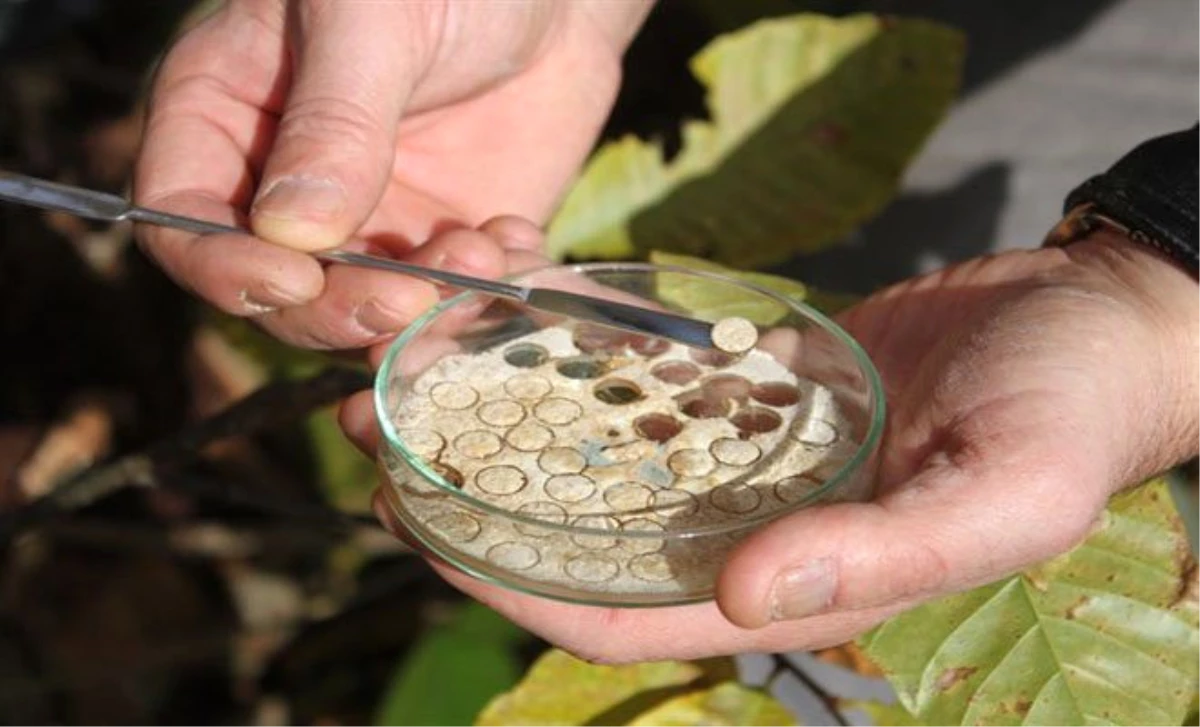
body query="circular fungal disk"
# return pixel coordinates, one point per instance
(735, 499)
(726, 388)
(527, 386)
(453, 395)
(423, 442)
(618, 392)
(478, 444)
(734, 335)
(557, 411)
(756, 420)
(590, 338)
(529, 437)
(526, 355)
(669, 504)
(513, 556)
(457, 527)
(778, 394)
(628, 497)
(711, 357)
(650, 346)
(501, 479)
(561, 461)
(581, 367)
(817, 433)
(550, 513)
(678, 373)
(595, 522)
(697, 406)
(501, 413)
(691, 463)
(641, 527)
(570, 488)
(657, 427)
(791, 490)
(651, 567)
(592, 568)
(735, 452)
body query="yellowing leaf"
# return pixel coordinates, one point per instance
(813, 120)
(712, 302)
(729, 703)
(1106, 634)
(562, 690)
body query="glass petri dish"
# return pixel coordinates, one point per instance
(594, 466)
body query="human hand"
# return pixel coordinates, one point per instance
(385, 121)
(1024, 390)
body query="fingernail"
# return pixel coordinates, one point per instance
(270, 297)
(306, 198)
(254, 306)
(803, 591)
(378, 318)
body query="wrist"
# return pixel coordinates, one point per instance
(1162, 300)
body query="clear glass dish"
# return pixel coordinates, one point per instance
(592, 466)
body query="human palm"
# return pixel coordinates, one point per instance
(1023, 390)
(384, 122)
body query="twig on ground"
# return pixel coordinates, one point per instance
(270, 406)
(79, 438)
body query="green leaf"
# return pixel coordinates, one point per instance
(562, 690)
(347, 477)
(1106, 634)
(277, 358)
(707, 302)
(729, 703)
(452, 671)
(813, 120)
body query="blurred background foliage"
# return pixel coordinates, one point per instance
(243, 580)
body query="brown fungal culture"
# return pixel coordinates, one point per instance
(595, 450)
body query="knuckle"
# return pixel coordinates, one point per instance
(328, 120)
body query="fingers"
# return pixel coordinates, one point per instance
(202, 137)
(515, 233)
(616, 635)
(239, 274)
(356, 417)
(362, 306)
(947, 530)
(355, 66)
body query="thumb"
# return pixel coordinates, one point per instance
(354, 66)
(944, 531)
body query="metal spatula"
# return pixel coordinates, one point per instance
(102, 206)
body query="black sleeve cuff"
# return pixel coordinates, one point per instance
(1152, 190)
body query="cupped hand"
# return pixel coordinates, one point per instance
(318, 121)
(1024, 389)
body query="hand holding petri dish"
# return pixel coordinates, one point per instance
(597, 466)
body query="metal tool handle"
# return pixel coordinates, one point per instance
(98, 205)
(103, 206)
